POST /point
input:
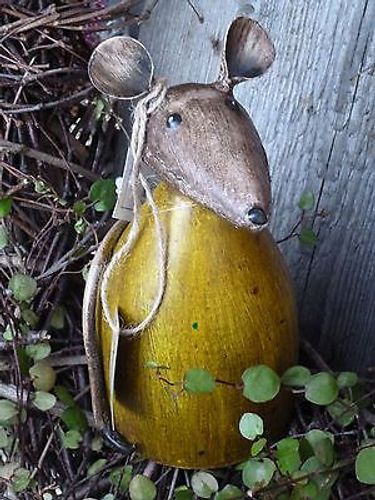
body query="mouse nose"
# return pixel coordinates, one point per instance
(257, 216)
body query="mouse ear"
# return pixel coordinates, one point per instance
(121, 67)
(248, 51)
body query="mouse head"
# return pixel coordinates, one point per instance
(199, 139)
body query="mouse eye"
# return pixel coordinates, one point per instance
(174, 121)
(257, 216)
(232, 103)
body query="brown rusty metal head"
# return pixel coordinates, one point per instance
(200, 140)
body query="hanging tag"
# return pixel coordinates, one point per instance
(124, 206)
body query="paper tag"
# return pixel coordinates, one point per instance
(124, 206)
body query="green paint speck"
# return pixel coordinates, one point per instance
(195, 325)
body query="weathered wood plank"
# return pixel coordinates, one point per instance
(314, 111)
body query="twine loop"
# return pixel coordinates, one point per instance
(145, 107)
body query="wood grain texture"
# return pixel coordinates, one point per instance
(314, 110)
(234, 285)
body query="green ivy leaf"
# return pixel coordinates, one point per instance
(305, 450)
(316, 434)
(204, 484)
(24, 361)
(324, 493)
(199, 381)
(8, 410)
(80, 225)
(3, 237)
(261, 383)
(64, 395)
(8, 334)
(287, 455)
(29, 316)
(72, 439)
(58, 318)
(96, 443)
(325, 480)
(343, 411)
(5, 206)
(307, 201)
(109, 496)
(96, 467)
(38, 351)
(311, 465)
(310, 490)
(308, 237)
(142, 488)
(298, 476)
(121, 477)
(20, 480)
(7, 470)
(258, 473)
(322, 389)
(4, 438)
(103, 194)
(258, 446)
(74, 418)
(365, 466)
(22, 286)
(251, 426)
(305, 492)
(229, 492)
(322, 444)
(44, 401)
(183, 493)
(296, 376)
(41, 187)
(347, 379)
(79, 208)
(43, 376)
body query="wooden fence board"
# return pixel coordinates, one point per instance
(314, 111)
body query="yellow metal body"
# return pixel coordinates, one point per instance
(228, 305)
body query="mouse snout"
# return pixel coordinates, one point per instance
(257, 217)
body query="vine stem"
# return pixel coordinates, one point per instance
(294, 482)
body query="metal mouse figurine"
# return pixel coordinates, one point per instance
(228, 301)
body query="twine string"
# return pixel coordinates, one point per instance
(143, 110)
